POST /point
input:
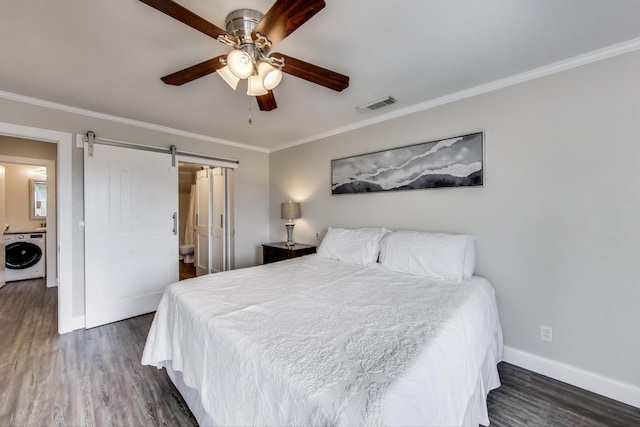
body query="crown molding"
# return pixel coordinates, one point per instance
(123, 120)
(557, 67)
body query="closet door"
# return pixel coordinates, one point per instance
(218, 208)
(212, 248)
(203, 223)
(131, 241)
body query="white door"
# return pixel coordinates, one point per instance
(229, 234)
(218, 208)
(203, 223)
(131, 239)
(2, 254)
(214, 216)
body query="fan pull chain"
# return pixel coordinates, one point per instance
(250, 121)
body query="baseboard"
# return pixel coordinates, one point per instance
(608, 387)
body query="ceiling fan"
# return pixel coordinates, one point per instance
(252, 35)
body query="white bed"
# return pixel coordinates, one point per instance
(318, 341)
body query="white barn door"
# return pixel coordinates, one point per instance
(131, 241)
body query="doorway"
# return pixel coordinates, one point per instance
(30, 198)
(63, 224)
(205, 219)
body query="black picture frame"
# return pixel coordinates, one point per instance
(444, 163)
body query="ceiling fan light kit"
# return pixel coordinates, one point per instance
(255, 86)
(240, 63)
(252, 35)
(231, 79)
(250, 58)
(270, 75)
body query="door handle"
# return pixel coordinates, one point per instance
(175, 223)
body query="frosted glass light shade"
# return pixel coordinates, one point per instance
(270, 75)
(254, 87)
(228, 77)
(240, 63)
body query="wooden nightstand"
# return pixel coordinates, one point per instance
(272, 252)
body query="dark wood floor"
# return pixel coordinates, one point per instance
(529, 399)
(187, 271)
(94, 377)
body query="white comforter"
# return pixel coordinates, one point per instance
(313, 341)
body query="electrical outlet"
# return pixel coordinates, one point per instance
(546, 333)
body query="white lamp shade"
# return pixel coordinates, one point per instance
(270, 75)
(254, 87)
(240, 63)
(228, 77)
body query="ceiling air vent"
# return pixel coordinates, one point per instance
(375, 105)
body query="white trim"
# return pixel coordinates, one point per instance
(608, 387)
(64, 224)
(576, 61)
(78, 322)
(204, 161)
(117, 119)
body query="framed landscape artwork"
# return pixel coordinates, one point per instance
(451, 162)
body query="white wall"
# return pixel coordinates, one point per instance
(251, 178)
(557, 221)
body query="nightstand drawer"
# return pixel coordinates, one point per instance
(272, 252)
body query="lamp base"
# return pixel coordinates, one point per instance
(290, 241)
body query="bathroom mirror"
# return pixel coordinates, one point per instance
(37, 199)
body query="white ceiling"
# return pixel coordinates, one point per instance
(108, 57)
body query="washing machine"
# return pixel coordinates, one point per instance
(24, 256)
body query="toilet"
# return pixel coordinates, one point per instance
(186, 253)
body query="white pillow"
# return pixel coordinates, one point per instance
(470, 257)
(359, 246)
(438, 255)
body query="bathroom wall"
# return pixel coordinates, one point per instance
(18, 176)
(19, 147)
(17, 196)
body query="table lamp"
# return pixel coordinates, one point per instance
(289, 211)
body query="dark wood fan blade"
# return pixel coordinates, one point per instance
(194, 72)
(285, 16)
(187, 17)
(313, 73)
(267, 102)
